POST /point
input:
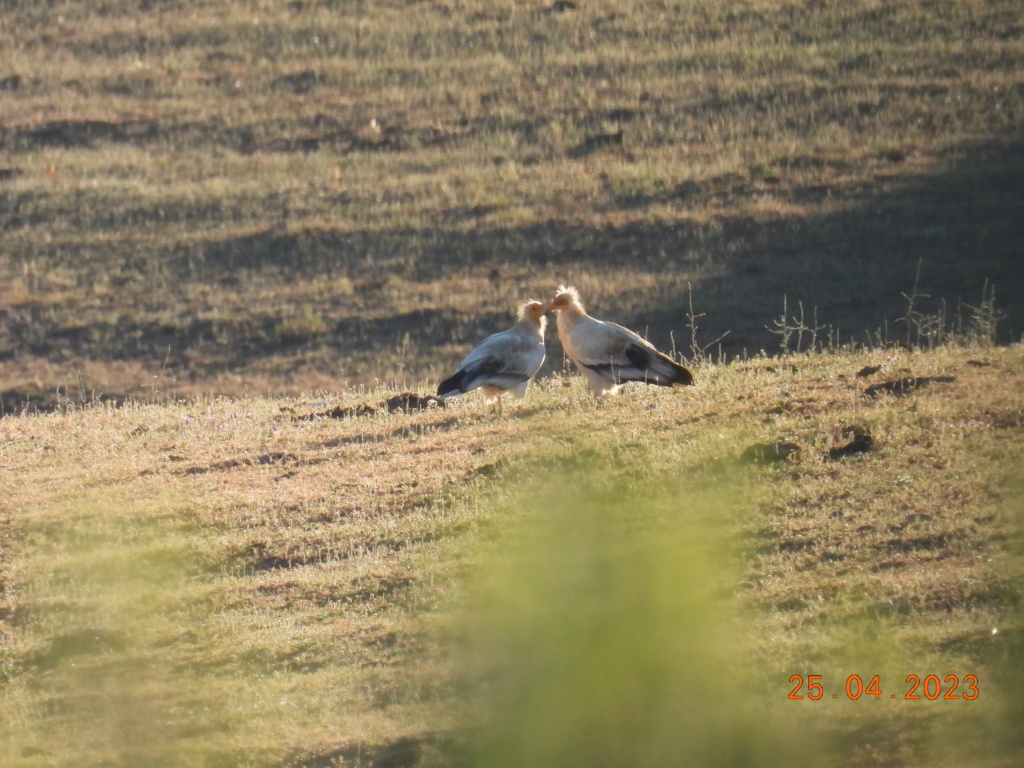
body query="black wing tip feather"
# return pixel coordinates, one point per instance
(666, 371)
(649, 367)
(452, 385)
(683, 377)
(677, 376)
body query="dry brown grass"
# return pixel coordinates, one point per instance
(197, 198)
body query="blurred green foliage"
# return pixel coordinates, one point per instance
(607, 632)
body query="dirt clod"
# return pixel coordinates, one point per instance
(868, 370)
(859, 441)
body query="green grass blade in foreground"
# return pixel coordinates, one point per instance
(606, 635)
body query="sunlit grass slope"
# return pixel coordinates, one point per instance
(223, 582)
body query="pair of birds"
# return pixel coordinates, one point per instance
(607, 354)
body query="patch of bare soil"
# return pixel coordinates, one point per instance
(404, 752)
(906, 385)
(860, 441)
(406, 402)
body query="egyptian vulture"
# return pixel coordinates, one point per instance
(503, 362)
(607, 354)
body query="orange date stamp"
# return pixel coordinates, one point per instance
(931, 687)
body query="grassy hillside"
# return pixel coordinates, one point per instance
(238, 197)
(230, 231)
(230, 582)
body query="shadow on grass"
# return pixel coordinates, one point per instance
(963, 223)
(960, 224)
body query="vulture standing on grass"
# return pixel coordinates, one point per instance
(607, 354)
(503, 362)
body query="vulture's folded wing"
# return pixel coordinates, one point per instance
(621, 355)
(502, 361)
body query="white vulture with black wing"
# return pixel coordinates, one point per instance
(504, 362)
(607, 354)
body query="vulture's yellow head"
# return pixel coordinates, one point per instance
(566, 298)
(533, 310)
